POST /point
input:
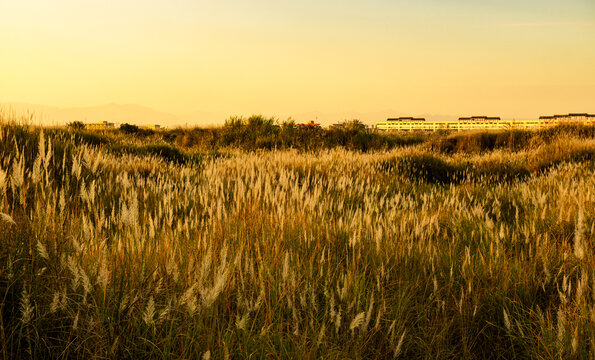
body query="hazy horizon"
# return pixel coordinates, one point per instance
(205, 61)
(144, 115)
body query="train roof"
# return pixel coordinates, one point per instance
(401, 118)
(480, 117)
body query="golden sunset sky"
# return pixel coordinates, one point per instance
(307, 59)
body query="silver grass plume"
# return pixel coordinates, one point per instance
(400, 344)
(7, 218)
(26, 307)
(506, 320)
(561, 326)
(103, 277)
(75, 322)
(42, 251)
(2, 181)
(210, 295)
(54, 306)
(285, 267)
(36, 171)
(321, 335)
(357, 321)
(574, 343)
(149, 313)
(241, 321)
(369, 313)
(579, 247)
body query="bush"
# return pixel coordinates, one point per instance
(76, 125)
(250, 133)
(259, 132)
(91, 138)
(129, 129)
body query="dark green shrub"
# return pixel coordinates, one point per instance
(129, 129)
(76, 125)
(91, 138)
(250, 133)
(259, 132)
(135, 130)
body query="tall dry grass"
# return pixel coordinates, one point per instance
(285, 254)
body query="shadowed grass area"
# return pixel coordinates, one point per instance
(166, 152)
(512, 140)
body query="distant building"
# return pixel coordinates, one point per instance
(572, 117)
(406, 118)
(150, 127)
(102, 125)
(408, 123)
(480, 118)
(481, 122)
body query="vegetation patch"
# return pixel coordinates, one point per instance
(140, 247)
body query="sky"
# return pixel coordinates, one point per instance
(324, 59)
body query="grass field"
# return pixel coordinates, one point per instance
(115, 246)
